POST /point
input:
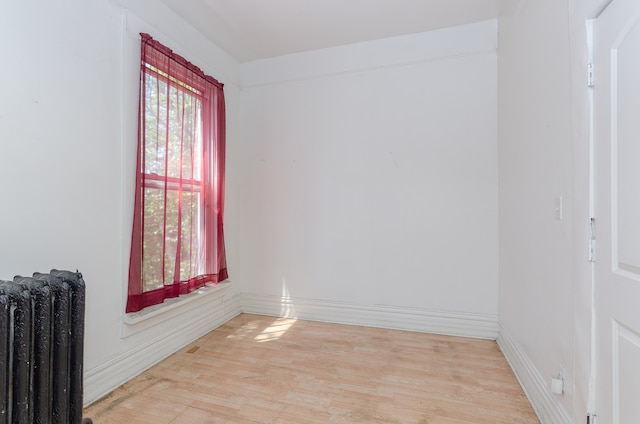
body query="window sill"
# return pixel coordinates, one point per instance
(170, 308)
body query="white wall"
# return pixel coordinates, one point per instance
(67, 156)
(543, 145)
(369, 183)
(380, 195)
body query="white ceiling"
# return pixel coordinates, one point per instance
(257, 29)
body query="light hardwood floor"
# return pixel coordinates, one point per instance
(257, 369)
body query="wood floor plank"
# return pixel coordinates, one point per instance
(257, 369)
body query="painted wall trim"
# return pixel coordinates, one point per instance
(445, 43)
(102, 379)
(392, 317)
(367, 68)
(174, 308)
(545, 404)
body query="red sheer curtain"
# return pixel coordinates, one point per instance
(177, 244)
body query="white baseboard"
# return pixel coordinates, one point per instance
(545, 404)
(101, 380)
(391, 317)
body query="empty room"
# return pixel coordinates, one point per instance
(349, 211)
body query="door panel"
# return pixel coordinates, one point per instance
(626, 374)
(625, 73)
(617, 211)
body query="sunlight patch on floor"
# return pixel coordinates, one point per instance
(244, 331)
(275, 330)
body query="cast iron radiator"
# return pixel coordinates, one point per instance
(41, 348)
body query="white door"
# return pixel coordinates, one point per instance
(617, 212)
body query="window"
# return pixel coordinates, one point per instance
(177, 244)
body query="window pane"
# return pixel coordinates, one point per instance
(155, 125)
(182, 139)
(161, 235)
(172, 225)
(192, 249)
(153, 239)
